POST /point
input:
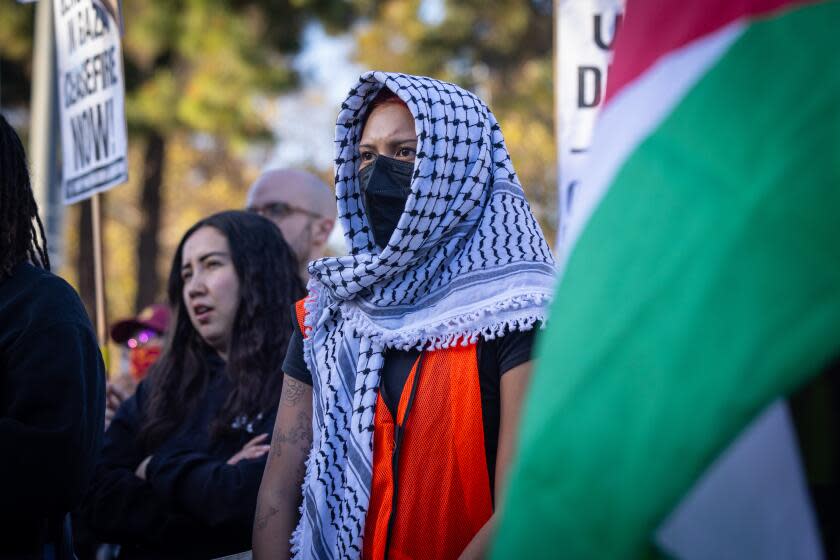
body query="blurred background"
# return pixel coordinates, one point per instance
(218, 90)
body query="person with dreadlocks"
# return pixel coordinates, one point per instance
(183, 457)
(51, 378)
(404, 380)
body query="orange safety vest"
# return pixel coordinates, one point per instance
(430, 492)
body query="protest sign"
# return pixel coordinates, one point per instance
(91, 97)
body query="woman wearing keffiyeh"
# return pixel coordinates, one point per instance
(403, 384)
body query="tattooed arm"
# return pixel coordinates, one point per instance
(280, 491)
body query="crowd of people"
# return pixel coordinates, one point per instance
(362, 405)
(289, 402)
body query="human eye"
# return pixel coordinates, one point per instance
(366, 157)
(186, 274)
(278, 209)
(406, 153)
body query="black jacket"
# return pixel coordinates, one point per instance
(51, 407)
(192, 503)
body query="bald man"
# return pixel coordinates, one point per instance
(301, 205)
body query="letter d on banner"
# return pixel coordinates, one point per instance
(585, 33)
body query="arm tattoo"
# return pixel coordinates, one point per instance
(263, 517)
(292, 390)
(299, 434)
(280, 492)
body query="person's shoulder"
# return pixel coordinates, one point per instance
(502, 353)
(57, 297)
(38, 299)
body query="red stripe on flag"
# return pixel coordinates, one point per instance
(653, 28)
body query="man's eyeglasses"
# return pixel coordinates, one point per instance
(276, 210)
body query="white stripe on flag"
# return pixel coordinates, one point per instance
(752, 502)
(629, 118)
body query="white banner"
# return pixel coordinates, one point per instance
(91, 97)
(584, 39)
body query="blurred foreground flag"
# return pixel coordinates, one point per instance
(702, 271)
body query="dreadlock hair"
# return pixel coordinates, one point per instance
(19, 221)
(268, 287)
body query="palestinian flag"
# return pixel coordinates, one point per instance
(703, 279)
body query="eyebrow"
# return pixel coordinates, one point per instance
(206, 256)
(412, 140)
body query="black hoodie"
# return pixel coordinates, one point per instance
(52, 405)
(192, 503)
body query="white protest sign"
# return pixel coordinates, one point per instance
(91, 97)
(584, 39)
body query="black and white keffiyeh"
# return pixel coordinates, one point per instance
(467, 259)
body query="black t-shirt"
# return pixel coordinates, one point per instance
(495, 358)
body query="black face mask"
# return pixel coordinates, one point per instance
(386, 184)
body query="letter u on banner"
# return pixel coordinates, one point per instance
(585, 35)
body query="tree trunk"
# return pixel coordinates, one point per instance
(148, 281)
(84, 260)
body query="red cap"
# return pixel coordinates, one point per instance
(154, 317)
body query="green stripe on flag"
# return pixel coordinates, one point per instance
(706, 284)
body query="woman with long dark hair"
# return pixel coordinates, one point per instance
(182, 459)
